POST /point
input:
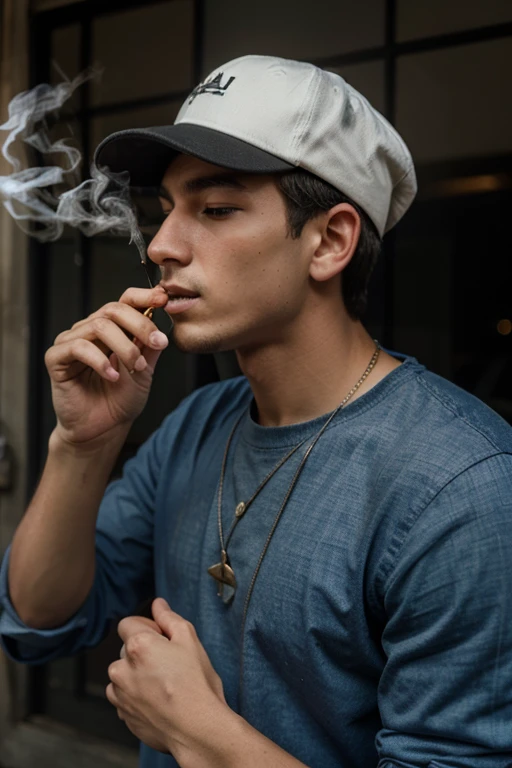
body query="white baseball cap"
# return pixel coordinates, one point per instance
(261, 114)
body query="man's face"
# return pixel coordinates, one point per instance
(225, 238)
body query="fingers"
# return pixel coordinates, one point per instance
(68, 360)
(142, 298)
(132, 322)
(133, 624)
(116, 328)
(112, 338)
(111, 695)
(171, 623)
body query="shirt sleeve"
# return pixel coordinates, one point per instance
(124, 567)
(445, 695)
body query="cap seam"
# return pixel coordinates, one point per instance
(387, 125)
(308, 112)
(407, 172)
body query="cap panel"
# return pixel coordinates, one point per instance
(313, 119)
(261, 114)
(245, 99)
(352, 147)
(403, 193)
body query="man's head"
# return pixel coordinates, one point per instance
(231, 241)
(306, 132)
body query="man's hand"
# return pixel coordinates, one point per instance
(164, 686)
(94, 394)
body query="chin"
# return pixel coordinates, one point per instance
(199, 344)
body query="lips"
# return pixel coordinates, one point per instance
(177, 292)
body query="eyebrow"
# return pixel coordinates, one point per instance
(200, 183)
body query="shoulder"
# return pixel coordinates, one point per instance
(447, 464)
(436, 426)
(467, 414)
(421, 434)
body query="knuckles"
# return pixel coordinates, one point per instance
(111, 309)
(48, 357)
(60, 338)
(100, 325)
(189, 629)
(113, 673)
(79, 346)
(137, 645)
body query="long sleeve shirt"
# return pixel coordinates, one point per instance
(379, 629)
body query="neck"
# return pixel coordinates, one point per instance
(308, 373)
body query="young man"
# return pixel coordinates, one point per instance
(333, 529)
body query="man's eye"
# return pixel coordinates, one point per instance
(219, 213)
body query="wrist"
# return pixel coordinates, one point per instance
(103, 445)
(216, 744)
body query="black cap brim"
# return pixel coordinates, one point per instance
(147, 152)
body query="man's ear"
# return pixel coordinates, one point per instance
(339, 228)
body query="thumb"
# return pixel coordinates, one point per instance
(163, 615)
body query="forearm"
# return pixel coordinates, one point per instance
(51, 567)
(232, 742)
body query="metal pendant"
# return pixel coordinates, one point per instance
(225, 578)
(240, 510)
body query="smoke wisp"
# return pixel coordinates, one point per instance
(99, 204)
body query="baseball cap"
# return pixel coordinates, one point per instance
(262, 114)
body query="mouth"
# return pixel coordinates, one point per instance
(179, 298)
(180, 302)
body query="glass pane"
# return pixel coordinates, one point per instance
(65, 61)
(63, 308)
(436, 17)
(64, 283)
(104, 125)
(65, 55)
(452, 104)
(368, 79)
(290, 28)
(70, 132)
(449, 302)
(62, 675)
(152, 52)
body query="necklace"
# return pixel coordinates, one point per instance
(223, 572)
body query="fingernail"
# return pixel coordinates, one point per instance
(112, 373)
(140, 364)
(158, 339)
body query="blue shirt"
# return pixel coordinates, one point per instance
(379, 631)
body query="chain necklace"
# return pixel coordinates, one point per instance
(223, 572)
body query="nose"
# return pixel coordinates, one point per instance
(170, 242)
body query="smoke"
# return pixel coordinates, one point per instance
(99, 204)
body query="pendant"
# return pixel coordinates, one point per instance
(240, 509)
(225, 578)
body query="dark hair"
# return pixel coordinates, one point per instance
(306, 196)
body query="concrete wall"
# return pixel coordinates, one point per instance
(14, 339)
